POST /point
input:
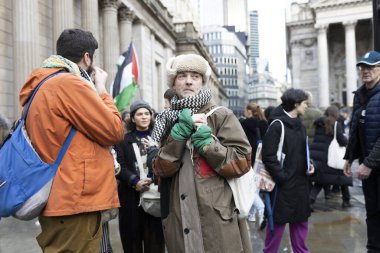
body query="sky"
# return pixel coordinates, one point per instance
(272, 35)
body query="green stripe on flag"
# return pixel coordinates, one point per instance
(124, 98)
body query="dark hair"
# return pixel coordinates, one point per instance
(124, 114)
(72, 44)
(291, 97)
(169, 94)
(331, 115)
(267, 111)
(257, 112)
(131, 126)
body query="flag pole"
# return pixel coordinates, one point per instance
(141, 93)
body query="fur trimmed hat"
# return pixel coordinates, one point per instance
(187, 62)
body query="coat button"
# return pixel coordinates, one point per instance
(183, 196)
(186, 231)
(216, 149)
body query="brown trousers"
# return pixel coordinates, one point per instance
(73, 233)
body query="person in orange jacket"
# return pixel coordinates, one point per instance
(85, 183)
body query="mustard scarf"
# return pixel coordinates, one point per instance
(57, 61)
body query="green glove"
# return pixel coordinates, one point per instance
(201, 138)
(183, 129)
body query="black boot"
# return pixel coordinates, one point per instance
(346, 204)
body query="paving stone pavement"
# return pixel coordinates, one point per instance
(331, 230)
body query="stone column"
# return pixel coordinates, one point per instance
(110, 38)
(323, 66)
(126, 17)
(25, 44)
(350, 60)
(63, 17)
(296, 64)
(90, 20)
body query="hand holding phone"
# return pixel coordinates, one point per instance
(100, 79)
(199, 119)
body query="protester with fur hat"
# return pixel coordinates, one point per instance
(196, 156)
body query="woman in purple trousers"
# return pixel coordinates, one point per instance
(290, 198)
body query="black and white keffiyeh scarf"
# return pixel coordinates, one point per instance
(165, 120)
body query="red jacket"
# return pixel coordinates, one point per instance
(85, 180)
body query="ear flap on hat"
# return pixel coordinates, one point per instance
(208, 72)
(171, 72)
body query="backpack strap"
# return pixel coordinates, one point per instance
(281, 144)
(336, 123)
(67, 142)
(35, 91)
(213, 110)
(65, 146)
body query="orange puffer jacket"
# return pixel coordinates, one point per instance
(85, 180)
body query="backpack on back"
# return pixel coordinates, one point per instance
(25, 180)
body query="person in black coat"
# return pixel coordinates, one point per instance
(324, 134)
(254, 125)
(140, 232)
(290, 197)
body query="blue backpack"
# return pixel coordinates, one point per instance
(22, 172)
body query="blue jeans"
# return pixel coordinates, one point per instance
(257, 205)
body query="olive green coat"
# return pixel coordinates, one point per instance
(201, 214)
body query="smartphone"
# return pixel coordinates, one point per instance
(197, 117)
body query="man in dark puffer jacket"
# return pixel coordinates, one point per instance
(364, 143)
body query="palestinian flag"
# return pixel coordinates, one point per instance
(126, 81)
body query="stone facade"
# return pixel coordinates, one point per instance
(325, 39)
(29, 30)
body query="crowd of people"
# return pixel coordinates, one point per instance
(189, 150)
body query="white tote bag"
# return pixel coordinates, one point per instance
(336, 153)
(243, 188)
(262, 178)
(149, 200)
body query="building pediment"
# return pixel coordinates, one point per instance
(328, 4)
(341, 11)
(301, 23)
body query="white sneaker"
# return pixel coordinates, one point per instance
(251, 217)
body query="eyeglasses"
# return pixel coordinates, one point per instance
(369, 67)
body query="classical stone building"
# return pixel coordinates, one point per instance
(325, 39)
(29, 30)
